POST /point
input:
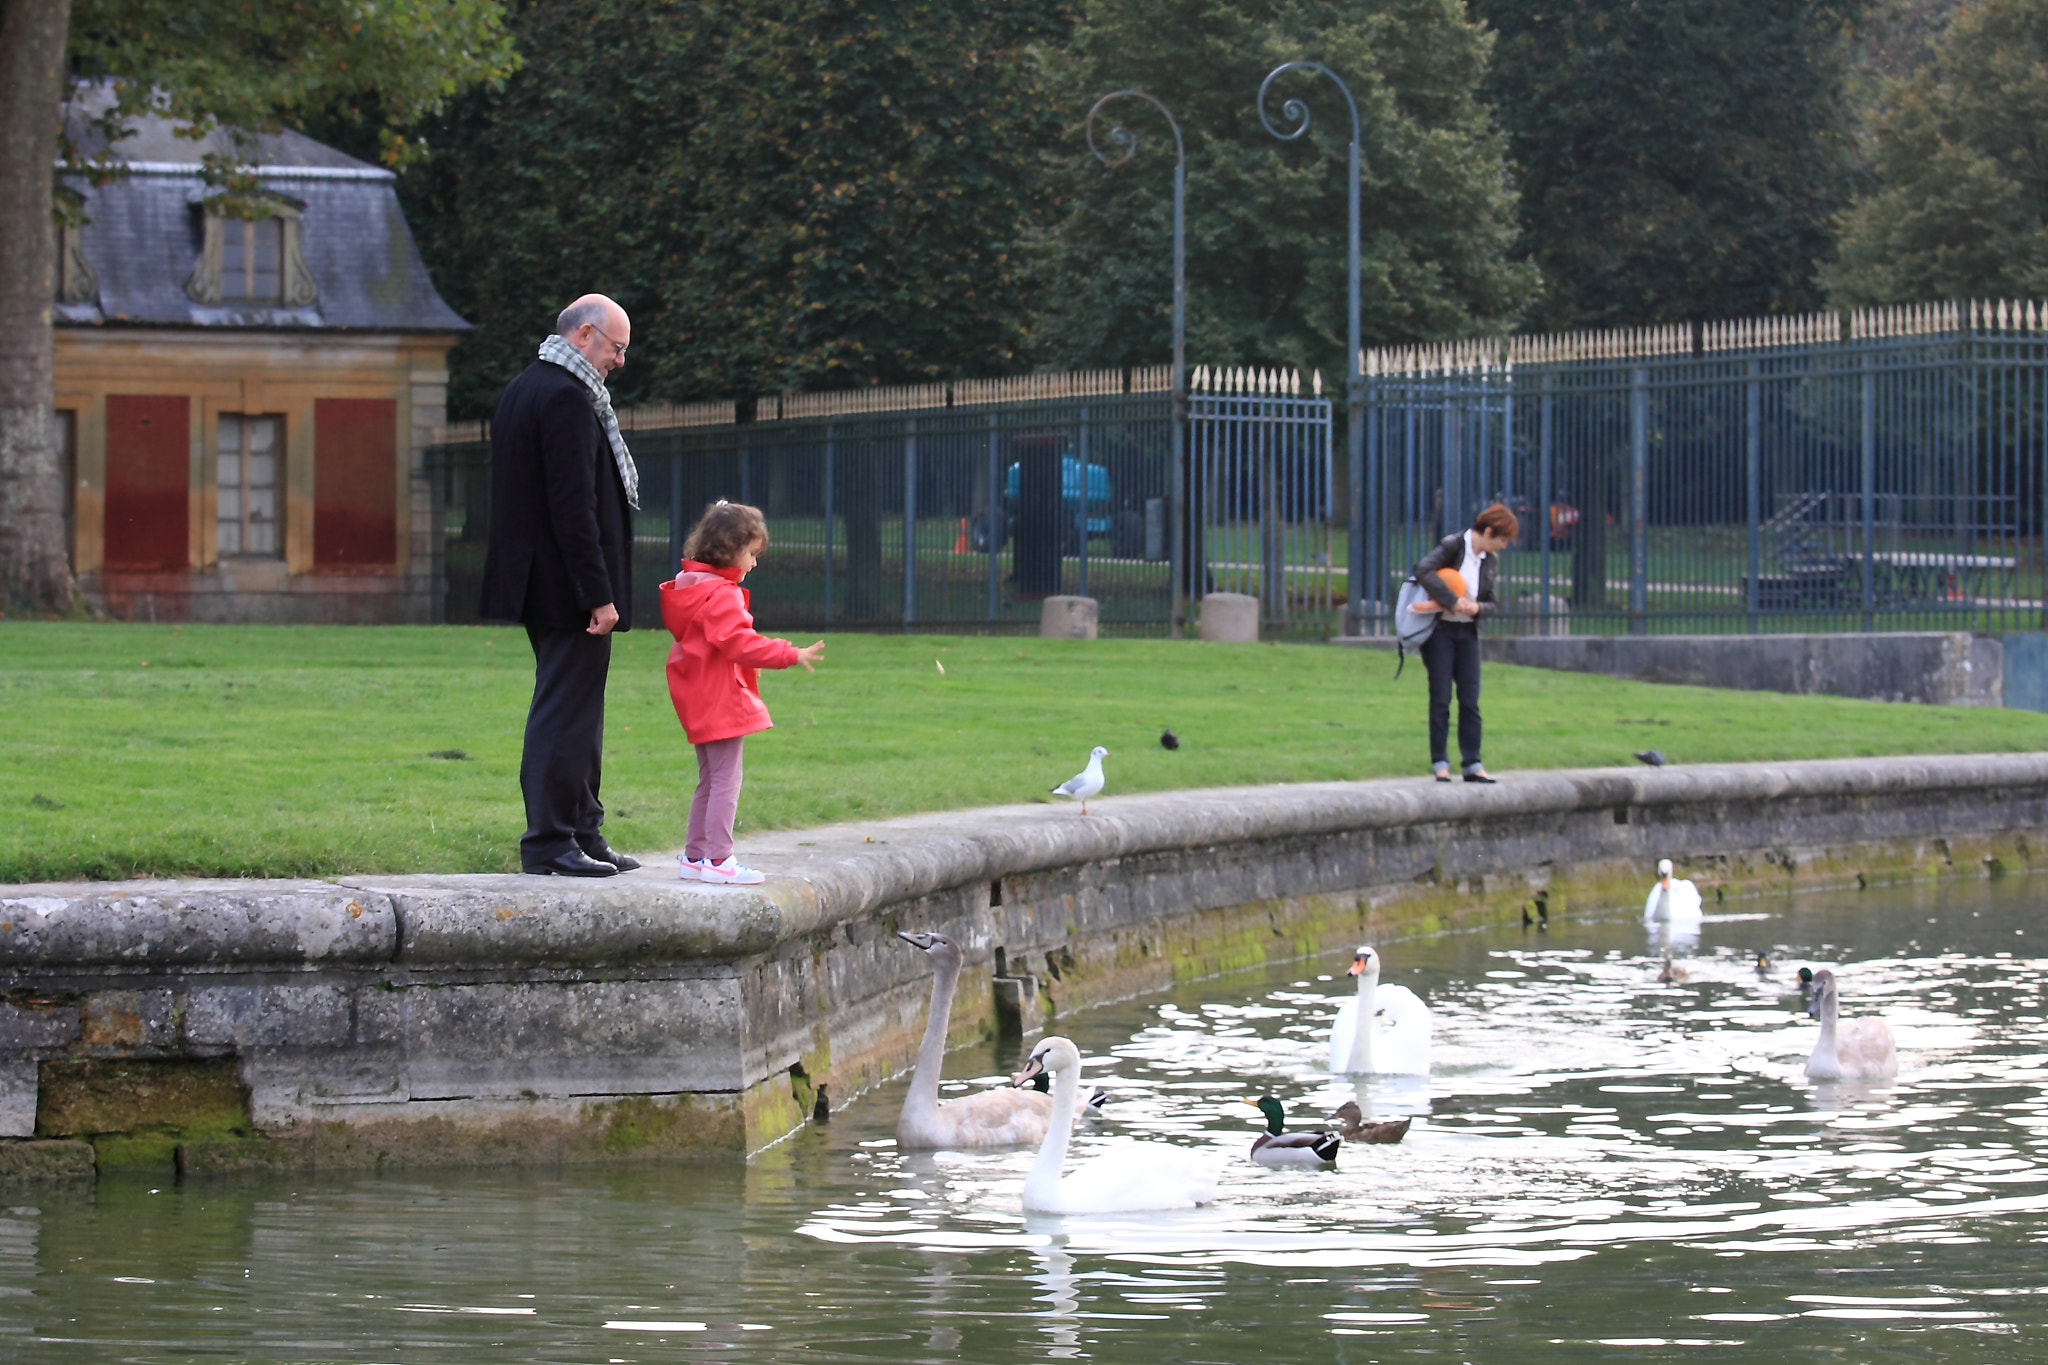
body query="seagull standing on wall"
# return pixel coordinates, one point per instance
(1086, 783)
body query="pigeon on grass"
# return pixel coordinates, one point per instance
(1168, 740)
(1653, 757)
(1086, 783)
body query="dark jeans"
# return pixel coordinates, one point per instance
(1451, 654)
(564, 757)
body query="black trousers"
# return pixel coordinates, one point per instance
(1451, 654)
(564, 757)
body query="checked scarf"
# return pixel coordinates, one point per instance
(556, 350)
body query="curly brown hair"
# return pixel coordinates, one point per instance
(726, 529)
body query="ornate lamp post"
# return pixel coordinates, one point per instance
(1121, 137)
(1354, 365)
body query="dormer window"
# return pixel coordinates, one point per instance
(252, 260)
(251, 253)
(76, 282)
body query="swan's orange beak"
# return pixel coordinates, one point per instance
(1357, 966)
(1033, 1067)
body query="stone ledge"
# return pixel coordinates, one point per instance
(44, 1160)
(827, 876)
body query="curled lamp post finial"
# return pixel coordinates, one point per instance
(1127, 141)
(1358, 555)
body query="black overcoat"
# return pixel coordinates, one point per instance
(561, 530)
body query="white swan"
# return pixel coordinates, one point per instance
(1142, 1175)
(1855, 1050)
(1383, 1030)
(1003, 1117)
(1673, 900)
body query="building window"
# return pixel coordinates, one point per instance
(76, 282)
(250, 254)
(252, 260)
(249, 449)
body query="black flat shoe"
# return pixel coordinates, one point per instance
(604, 854)
(1443, 777)
(574, 863)
(1481, 777)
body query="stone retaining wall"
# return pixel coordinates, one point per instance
(490, 1019)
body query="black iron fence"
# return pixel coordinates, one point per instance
(937, 507)
(1882, 471)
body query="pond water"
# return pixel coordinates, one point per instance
(1602, 1167)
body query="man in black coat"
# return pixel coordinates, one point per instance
(563, 490)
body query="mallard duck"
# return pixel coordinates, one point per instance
(1353, 1126)
(1091, 1108)
(1126, 1179)
(1278, 1147)
(1384, 1030)
(1004, 1117)
(1848, 1050)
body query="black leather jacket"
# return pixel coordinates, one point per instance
(1449, 554)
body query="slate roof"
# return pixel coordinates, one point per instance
(143, 239)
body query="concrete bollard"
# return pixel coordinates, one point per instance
(1018, 1011)
(1067, 618)
(1230, 618)
(1530, 615)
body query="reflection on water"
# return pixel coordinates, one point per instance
(1601, 1164)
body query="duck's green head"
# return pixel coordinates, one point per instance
(1270, 1107)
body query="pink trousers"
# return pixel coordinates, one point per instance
(719, 771)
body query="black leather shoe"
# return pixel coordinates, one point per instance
(604, 854)
(1481, 777)
(574, 863)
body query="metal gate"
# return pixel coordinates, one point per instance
(1260, 494)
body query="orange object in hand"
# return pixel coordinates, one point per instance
(1453, 580)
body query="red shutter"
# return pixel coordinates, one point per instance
(355, 483)
(149, 482)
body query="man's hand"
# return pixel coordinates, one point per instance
(602, 620)
(810, 654)
(1467, 607)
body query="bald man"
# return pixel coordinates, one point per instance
(563, 492)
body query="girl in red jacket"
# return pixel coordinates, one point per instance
(711, 677)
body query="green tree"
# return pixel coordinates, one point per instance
(1961, 157)
(1675, 159)
(810, 193)
(202, 63)
(1266, 219)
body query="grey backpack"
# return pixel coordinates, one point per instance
(1411, 627)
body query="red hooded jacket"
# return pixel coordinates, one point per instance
(711, 666)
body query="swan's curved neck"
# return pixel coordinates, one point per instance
(1825, 1046)
(923, 1099)
(1361, 1038)
(1044, 1179)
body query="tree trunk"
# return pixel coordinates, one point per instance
(35, 568)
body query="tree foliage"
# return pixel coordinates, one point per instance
(1675, 159)
(255, 67)
(1266, 219)
(812, 193)
(1961, 153)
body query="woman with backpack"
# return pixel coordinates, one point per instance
(1451, 653)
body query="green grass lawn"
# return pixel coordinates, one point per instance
(280, 751)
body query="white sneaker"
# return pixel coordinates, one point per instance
(689, 869)
(728, 873)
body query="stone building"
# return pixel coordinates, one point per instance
(245, 403)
